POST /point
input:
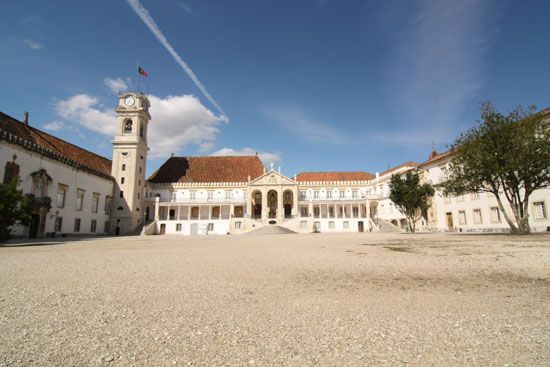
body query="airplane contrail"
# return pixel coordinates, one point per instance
(150, 23)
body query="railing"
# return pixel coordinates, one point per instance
(203, 200)
(338, 199)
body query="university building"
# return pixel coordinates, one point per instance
(77, 192)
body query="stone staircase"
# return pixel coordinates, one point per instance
(385, 226)
(271, 229)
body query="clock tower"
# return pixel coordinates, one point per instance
(129, 162)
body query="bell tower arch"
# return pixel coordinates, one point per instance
(129, 162)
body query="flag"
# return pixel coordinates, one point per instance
(142, 72)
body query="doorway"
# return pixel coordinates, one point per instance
(449, 217)
(34, 225)
(361, 227)
(163, 228)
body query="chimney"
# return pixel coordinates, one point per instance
(26, 118)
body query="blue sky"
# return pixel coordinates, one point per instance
(314, 85)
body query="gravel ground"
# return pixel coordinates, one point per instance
(346, 299)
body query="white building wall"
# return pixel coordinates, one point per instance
(60, 173)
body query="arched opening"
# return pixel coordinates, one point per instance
(257, 204)
(403, 223)
(272, 202)
(288, 201)
(394, 222)
(374, 211)
(127, 126)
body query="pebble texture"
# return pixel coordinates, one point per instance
(319, 299)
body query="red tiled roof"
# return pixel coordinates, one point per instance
(208, 169)
(333, 176)
(435, 157)
(406, 164)
(53, 147)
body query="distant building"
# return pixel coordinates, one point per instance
(77, 192)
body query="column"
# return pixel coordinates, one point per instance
(310, 209)
(157, 200)
(264, 204)
(280, 210)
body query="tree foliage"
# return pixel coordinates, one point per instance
(14, 207)
(504, 154)
(410, 196)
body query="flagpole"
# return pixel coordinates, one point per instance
(137, 71)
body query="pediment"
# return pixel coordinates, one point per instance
(272, 177)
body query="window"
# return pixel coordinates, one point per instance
(139, 169)
(210, 227)
(172, 214)
(61, 193)
(127, 126)
(210, 195)
(40, 182)
(346, 225)
(93, 226)
(122, 180)
(329, 194)
(79, 199)
(477, 216)
(107, 226)
(192, 195)
(316, 194)
(228, 194)
(539, 209)
(238, 225)
(331, 212)
(302, 195)
(141, 130)
(108, 204)
(95, 202)
(462, 217)
(354, 194)
(316, 212)
(342, 194)
(139, 183)
(331, 225)
(355, 211)
(58, 224)
(495, 214)
(123, 168)
(303, 211)
(474, 196)
(178, 227)
(121, 194)
(77, 225)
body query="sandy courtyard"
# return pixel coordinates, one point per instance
(345, 299)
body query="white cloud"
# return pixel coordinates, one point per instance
(86, 111)
(176, 121)
(115, 85)
(33, 45)
(54, 126)
(299, 123)
(266, 157)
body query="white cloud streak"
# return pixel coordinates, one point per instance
(438, 65)
(296, 121)
(115, 85)
(150, 23)
(266, 157)
(33, 45)
(176, 121)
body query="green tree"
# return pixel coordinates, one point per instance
(410, 196)
(505, 155)
(14, 207)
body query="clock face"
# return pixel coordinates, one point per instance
(129, 101)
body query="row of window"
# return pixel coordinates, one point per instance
(80, 194)
(539, 212)
(328, 194)
(58, 226)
